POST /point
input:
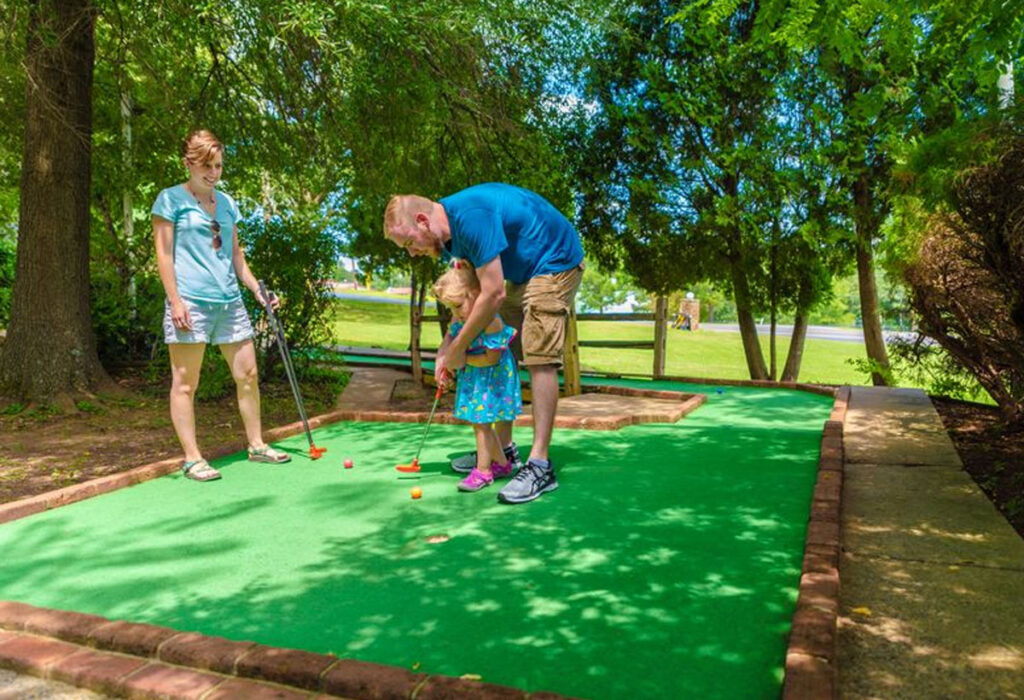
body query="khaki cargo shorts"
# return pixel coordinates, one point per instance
(539, 310)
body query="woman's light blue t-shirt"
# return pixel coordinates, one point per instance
(202, 273)
(530, 235)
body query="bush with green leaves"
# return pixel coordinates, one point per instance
(8, 258)
(128, 327)
(967, 278)
(920, 362)
(296, 257)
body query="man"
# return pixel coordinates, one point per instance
(529, 260)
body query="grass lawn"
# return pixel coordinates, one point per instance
(708, 354)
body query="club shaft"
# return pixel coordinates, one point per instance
(430, 419)
(286, 360)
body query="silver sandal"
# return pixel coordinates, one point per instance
(268, 455)
(200, 470)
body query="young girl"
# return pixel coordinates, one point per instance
(488, 386)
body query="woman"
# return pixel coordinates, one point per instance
(195, 228)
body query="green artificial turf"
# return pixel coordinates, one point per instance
(666, 565)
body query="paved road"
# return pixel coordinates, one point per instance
(853, 335)
(850, 335)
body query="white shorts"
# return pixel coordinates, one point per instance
(218, 324)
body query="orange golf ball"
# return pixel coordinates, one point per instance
(416, 492)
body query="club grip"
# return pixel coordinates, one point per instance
(440, 386)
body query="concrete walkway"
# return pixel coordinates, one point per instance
(932, 575)
(369, 388)
(15, 686)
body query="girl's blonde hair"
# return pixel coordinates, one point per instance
(200, 146)
(455, 285)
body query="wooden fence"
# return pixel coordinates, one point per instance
(571, 368)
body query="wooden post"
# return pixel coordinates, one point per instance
(415, 329)
(571, 356)
(660, 334)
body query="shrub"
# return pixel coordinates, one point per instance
(8, 258)
(124, 336)
(967, 279)
(294, 256)
(923, 363)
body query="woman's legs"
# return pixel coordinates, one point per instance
(186, 362)
(488, 449)
(241, 358)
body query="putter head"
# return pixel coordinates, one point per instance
(316, 452)
(409, 468)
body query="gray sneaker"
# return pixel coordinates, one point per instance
(466, 463)
(529, 483)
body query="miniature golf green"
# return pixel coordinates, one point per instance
(666, 565)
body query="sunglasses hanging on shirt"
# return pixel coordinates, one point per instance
(215, 228)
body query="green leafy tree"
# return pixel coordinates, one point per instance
(599, 290)
(326, 109)
(890, 73)
(678, 164)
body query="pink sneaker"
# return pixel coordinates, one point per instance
(476, 481)
(502, 471)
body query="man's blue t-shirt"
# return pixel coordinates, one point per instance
(530, 235)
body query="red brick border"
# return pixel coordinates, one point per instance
(688, 403)
(137, 660)
(811, 671)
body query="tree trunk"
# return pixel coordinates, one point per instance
(416, 298)
(445, 316)
(748, 326)
(772, 372)
(50, 351)
(866, 225)
(660, 335)
(127, 206)
(791, 371)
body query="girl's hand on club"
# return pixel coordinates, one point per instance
(447, 381)
(180, 316)
(440, 371)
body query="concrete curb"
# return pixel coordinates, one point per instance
(811, 671)
(126, 659)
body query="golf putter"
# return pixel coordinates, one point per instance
(414, 466)
(286, 358)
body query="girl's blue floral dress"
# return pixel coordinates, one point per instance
(489, 394)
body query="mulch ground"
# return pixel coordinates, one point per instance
(41, 450)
